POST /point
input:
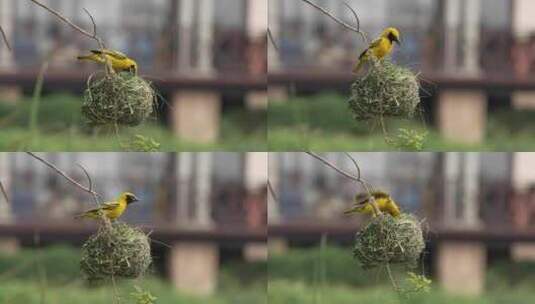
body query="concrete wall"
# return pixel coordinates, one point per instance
(523, 21)
(461, 267)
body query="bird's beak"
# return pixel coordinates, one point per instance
(396, 40)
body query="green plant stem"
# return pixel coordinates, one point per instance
(36, 100)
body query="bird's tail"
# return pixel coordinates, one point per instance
(87, 214)
(79, 216)
(354, 209)
(86, 57)
(358, 66)
(91, 57)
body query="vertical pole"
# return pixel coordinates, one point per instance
(451, 172)
(183, 174)
(256, 168)
(184, 35)
(273, 178)
(472, 31)
(452, 11)
(5, 207)
(203, 189)
(206, 36)
(471, 189)
(7, 21)
(274, 24)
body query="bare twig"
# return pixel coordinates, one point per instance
(92, 21)
(64, 175)
(67, 21)
(392, 279)
(272, 191)
(272, 39)
(340, 22)
(95, 197)
(354, 163)
(357, 19)
(354, 178)
(93, 35)
(4, 192)
(4, 36)
(332, 166)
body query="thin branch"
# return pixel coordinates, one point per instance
(93, 36)
(92, 21)
(63, 174)
(4, 37)
(4, 192)
(337, 20)
(354, 163)
(357, 179)
(272, 191)
(357, 19)
(95, 197)
(272, 40)
(332, 166)
(64, 19)
(392, 279)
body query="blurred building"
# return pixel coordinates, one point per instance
(201, 55)
(162, 35)
(472, 57)
(445, 35)
(184, 190)
(472, 189)
(198, 204)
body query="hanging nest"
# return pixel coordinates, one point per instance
(390, 240)
(118, 98)
(115, 251)
(387, 90)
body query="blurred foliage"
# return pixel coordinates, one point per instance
(293, 280)
(323, 122)
(20, 283)
(141, 143)
(409, 140)
(61, 128)
(56, 113)
(339, 265)
(415, 284)
(286, 292)
(60, 263)
(505, 275)
(143, 296)
(327, 112)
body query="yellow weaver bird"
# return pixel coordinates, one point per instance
(111, 210)
(383, 200)
(380, 47)
(119, 61)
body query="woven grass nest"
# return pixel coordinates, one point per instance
(115, 251)
(118, 98)
(390, 240)
(387, 90)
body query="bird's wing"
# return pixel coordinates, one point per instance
(380, 194)
(372, 45)
(375, 43)
(109, 205)
(115, 54)
(363, 198)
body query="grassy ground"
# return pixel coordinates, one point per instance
(304, 276)
(53, 276)
(324, 123)
(60, 127)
